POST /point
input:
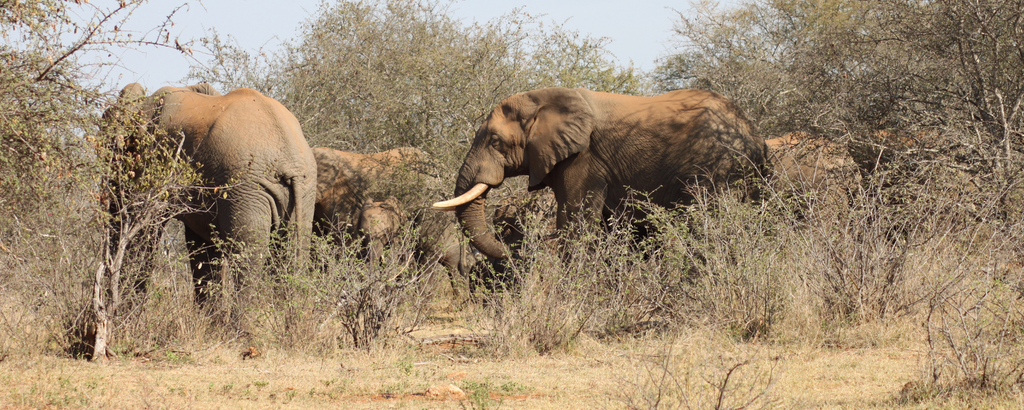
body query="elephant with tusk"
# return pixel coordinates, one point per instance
(594, 149)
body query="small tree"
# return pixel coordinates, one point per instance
(54, 159)
(147, 184)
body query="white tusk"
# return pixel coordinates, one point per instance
(465, 198)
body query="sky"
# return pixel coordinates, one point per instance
(640, 30)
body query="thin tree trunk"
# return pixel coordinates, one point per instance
(99, 349)
(102, 311)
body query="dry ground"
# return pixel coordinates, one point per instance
(596, 375)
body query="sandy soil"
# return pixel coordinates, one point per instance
(595, 375)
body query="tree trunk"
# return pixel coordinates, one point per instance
(99, 345)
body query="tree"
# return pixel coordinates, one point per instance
(366, 76)
(54, 155)
(919, 78)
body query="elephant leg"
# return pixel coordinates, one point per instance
(579, 193)
(146, 246)
(245, 221)
(203, 260)
(450, 258)
(458, 270)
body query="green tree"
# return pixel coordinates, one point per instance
(366, 76)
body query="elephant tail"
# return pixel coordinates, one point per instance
(300, 209)
(293, 198)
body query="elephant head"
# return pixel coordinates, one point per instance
(379, 223)
(122, 118)
(594, 149)
(527, 134)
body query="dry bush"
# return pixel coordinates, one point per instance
(975, 309)
(974, 332)
(592, 280)
(46, 269)
(857, 263)
(718, 261)
(700, 372)
(163, 316)
(342, 300)
(730, 257)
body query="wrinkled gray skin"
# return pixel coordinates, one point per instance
(343, 181)
(379, 224)
(246, 142)
(592, 148)
(441, 241)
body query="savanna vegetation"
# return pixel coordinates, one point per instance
(909, 272)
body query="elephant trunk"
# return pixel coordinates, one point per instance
(471, 217)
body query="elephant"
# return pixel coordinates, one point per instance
(821, 172)
(379, 223)
(595, 149)
(512, 212)
(807, 163)
(245, 146)
(344, 179)
(438, 239)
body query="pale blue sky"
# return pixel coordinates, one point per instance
(640, 30)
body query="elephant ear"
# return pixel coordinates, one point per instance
(133, 91)
(204, 88)
(126, 112)
(560, 128)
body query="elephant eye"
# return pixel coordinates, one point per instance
(495, 142)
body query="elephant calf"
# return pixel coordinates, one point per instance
(438, 241)
(821, 170)
(806, 163)
(346, 179)
(379, 224)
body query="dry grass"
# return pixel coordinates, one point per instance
(729, 304)
(595, 375)
(904, 289)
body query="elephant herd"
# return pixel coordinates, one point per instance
(593, 149)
